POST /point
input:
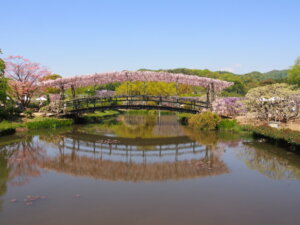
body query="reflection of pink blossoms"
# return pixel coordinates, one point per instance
(229, 107)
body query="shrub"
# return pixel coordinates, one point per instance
(273, 102)
(229, 107)
(183, 118)
(278, 135)
(9, 112)
(28, 113)
(227, 124)
(204, 121)
(48, 123)
(7, 131)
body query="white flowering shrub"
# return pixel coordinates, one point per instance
(277, 102)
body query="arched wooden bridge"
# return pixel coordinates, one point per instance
(169, 103)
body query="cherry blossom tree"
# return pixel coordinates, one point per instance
(24, 77)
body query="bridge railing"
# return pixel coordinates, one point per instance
(130, 100)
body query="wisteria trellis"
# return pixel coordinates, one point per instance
(105, 78)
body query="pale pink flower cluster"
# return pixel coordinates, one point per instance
(229, 107)
(24, 77)
(105, 78)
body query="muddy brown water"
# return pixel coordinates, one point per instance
(145, 169)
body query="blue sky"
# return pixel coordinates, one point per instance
(81, 37)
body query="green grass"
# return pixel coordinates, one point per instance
(49, 123)
(96, 117)
(228, 124)
(148, 112)
(101, 114)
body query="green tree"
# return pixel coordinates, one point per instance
(3, 82)
(146, 88)
(294, 73)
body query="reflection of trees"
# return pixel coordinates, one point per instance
(4, 174)
(22, 160)
(212, 138)
(270, 160)
(147, 126)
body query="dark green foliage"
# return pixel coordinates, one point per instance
(7, 131)
(3, 82)
(110, 86)
(183, 118)
(294, 74)
(9, 112)
(274, 74)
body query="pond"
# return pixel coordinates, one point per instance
(146, 169)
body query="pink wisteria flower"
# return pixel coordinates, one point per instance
(105, 78)
(229, 107)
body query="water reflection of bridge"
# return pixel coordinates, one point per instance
(134, 159)
(134, 149)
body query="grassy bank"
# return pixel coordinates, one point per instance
(148, 112)
(49, 123)
(7, 128)
(283, 137)
(96, 117)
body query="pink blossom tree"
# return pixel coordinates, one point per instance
(24, 77)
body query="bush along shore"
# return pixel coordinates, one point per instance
(286, 138)
(283, 137)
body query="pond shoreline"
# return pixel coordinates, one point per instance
(283, 137)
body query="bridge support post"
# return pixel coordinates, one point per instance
(210, 96)
(61, 98)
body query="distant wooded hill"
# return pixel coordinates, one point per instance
(274, 74)
(242, 83)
